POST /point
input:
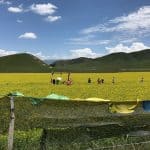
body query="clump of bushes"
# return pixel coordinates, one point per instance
(23, 140)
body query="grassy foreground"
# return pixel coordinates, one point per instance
(127, 86)
(31, 140)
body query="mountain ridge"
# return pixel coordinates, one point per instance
(115, 62)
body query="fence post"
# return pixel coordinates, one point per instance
(11, 124)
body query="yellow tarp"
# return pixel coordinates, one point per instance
(92, 99)
(124, 108)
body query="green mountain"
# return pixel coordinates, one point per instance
(22, 63)
(116, 62)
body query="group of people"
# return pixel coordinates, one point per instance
(69, 81)
(142, 80)
(101, 81)
(59, 80)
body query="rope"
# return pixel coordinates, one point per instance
(123, 145)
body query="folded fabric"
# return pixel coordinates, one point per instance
(78, 99)
(92, 99)
(95, 99)
(124, 108)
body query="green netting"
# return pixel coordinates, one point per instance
(36, 101)
(82, 119)
(32, 112)
(73, 120)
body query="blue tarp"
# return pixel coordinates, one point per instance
(146, 105)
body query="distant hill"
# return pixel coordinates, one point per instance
(50, 61)
(116, 62)
(22, 63)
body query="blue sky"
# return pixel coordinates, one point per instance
(52, 29)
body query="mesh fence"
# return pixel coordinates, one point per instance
(54, 124)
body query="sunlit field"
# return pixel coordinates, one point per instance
(127, 85)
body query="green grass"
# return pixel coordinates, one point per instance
(61, 139)
(29, 140)
(22, 63)
(127, 86)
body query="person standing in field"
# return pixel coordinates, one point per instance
(69, 80)
(102, 81)
(113, 80)
(54, 81)
(89, 80)
(51, 80)
(142, 80)
(98, 80)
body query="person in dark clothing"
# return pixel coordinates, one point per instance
(99, 81)
(89, 80)
(113, 80)
(54, 81)
(51, 81)
(142, 80)
(102, 80)
(57, 81)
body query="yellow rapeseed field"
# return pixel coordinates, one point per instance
(127, 85)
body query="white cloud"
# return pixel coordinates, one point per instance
(6, 52)
(37, 54)
(85, 52)
(88, 40)
(136, 21)
(28, 35)
(19, 21)
(18, 9)
(129, 40)
(137, 46)
(40, 55)
(40, 9)
(76, 53)
(43, 9)
(4, 2)
(52, 18)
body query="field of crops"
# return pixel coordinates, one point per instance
(127, 85)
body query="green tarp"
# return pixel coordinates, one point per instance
(15, 94)
(57, 97)
(36, 101)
